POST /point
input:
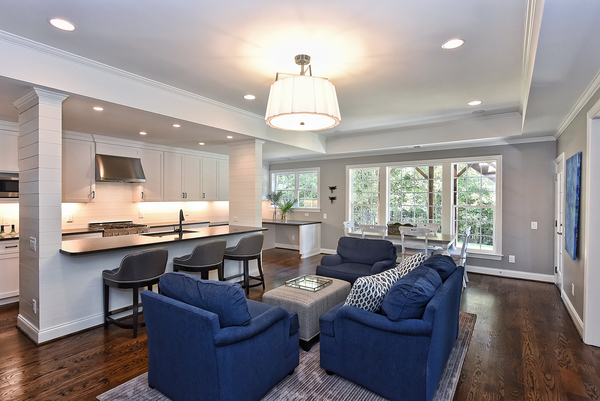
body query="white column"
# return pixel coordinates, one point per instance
(40, 236)
(245, 183)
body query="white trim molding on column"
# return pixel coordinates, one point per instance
(38, 94)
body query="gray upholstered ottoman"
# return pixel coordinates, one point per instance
(309, 306)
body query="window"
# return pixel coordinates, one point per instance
(364, 196)
(454, 193)
(301, 185)
(474, 202)
(415, 194)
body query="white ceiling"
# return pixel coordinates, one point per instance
(384, 57)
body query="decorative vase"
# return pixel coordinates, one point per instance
(283, 216)
(274, 214)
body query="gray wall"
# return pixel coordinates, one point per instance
(571, 141)
(528, 195)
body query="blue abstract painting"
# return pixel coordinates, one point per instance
(573, 183)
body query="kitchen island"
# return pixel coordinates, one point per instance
(70, 297)
(302, 236)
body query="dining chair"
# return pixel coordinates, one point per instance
(379, 230)
(461, 257)
(348, 226)
(413, 243)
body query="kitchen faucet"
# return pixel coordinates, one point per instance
(181, 220)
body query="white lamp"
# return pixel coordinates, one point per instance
(302, 102)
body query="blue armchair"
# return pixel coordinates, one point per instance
(358, 257)
(207, 341)
(398, 358)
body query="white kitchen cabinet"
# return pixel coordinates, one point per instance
(192, 177)
(152, 189)
(9, 153)
(9, 269)
(223, 186)
(210, 178)
(78, 180)
(182, 177)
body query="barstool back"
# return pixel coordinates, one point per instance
(140, 266)
(248, 246)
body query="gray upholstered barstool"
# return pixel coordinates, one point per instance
(140, 269)
(248, 248)
(205, 257)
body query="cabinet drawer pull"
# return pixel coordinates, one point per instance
(11, 246)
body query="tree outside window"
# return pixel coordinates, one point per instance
(302, 185)
(475, 202)
(415, 194)
(364, 196)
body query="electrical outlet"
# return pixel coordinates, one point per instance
(69, 218)
(511, 258)
(34, 306)
(141, 214)
(33, 244)
(325, 216)
(534, 225)
(572, 289)
(235, 219)
(305, 214)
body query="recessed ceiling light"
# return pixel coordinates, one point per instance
(249, 97)
(453, 44)
(201, 143)
(176, 125)
(98, 108)
(142, 133)
(475, 103)
(229, 137)
(62, 24)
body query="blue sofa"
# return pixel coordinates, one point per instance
(358, 257)
(207, 341)
(400, 358)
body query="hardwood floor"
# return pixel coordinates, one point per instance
(524, 347)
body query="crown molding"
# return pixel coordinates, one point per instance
(73, 58)
(532, 33)
(9, 126)
(592, 88)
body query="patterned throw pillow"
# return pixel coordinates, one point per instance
(410, 263)
(368, 292)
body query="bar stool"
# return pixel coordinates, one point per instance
(205, 257)
(247, 249)
(140, 269)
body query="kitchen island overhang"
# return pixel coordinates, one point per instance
(70, 293)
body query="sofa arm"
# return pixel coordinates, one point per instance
(383, 265)
(409, 327)
(234, 334)
(332, 260)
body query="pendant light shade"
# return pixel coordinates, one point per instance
(302, 102)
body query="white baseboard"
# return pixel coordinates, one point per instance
(329, 251)
(547, 278)
(9, 300)
(287, 246)
(573, 313)
(313, 252)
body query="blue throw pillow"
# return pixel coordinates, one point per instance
(226, 300)
(409, 296)
(442, 264)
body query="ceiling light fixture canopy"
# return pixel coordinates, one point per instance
(302, 102)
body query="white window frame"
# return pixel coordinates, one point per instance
(296, 172)
(447, 193)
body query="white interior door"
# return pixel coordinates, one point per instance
(559, 185)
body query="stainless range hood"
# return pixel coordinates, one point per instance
(119, 169)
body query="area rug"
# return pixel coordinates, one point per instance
(310, 382)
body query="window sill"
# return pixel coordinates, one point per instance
(301, 209)
(488, 256)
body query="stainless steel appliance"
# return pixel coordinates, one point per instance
(116, 228)
(9, 185)
(119, 169)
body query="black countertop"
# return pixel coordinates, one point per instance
(91, 246)
(290, 222)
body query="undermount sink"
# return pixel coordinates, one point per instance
(167, 233)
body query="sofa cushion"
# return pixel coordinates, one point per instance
(368, 251)
(410, 263)
(226, 300)
(368, 292)
(442, 264)
(409, 296)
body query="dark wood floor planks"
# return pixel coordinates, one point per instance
(524, 347)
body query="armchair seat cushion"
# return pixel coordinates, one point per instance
(345, 271)
(410, 295)
(224, 299)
